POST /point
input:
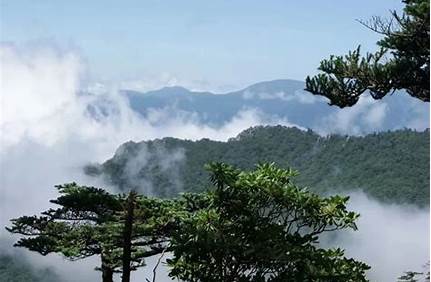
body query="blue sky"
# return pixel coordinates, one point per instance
(221, 43)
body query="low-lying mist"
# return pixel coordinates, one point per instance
(48, 135)
(391, 238)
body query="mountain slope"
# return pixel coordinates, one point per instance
(389, 166)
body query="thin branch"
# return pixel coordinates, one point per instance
(157, 264)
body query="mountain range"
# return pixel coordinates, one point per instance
(285, 100)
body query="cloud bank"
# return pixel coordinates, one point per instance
(367, 115)
(390, 238)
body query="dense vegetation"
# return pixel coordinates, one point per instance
(259, 226)
(253, 225)
(389, 166)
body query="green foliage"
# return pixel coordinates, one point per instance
(254, 226)
(391, 166)
(90, 221)
(84, 203)
(259, 226)
(403, 61)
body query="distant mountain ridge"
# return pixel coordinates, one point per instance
(285, 99)
(389, 166)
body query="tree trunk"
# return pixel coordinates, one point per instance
(127, 237)
(107, 272)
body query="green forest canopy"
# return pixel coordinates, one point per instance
(389, 166)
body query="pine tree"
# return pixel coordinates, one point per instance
(122, 230)
(402, 62)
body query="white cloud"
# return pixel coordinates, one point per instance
(376, 115)
(366, 116)
(299, 96)
(391, 238)
(185, 125)
(419, 116)
(29, 94)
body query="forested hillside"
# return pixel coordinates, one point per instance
(390, 166)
